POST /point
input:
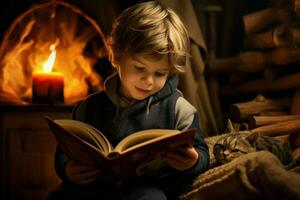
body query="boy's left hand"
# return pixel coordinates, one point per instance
(182, 158)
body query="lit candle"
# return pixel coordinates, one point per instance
(48, 86)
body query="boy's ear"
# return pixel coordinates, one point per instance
(112, 60)
(116, 65)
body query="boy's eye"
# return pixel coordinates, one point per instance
(138, 68)
(159, 74)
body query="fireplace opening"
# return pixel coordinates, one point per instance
(80, 52)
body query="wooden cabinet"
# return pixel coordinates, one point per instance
(27, 151)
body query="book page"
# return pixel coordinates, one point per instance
(141, 137)
(87, 133)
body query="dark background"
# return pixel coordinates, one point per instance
(229, 27)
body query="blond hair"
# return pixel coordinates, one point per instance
(149, 28)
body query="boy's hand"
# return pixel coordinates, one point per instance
(181, 158)
(81, 174)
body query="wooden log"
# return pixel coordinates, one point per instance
(278, 129)
(258, 21)
(295, 109)
(271, 73)
(296, 7)
(256, 121)
(279, 36)
(254, 61)
(273, 113)
(283, 35)
(244, 62)
(295, 32)
(241, 111)
(261, 86)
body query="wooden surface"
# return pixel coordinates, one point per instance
(27, 150)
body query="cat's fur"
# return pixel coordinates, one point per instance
(237, 143)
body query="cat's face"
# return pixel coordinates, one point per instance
(232, 146)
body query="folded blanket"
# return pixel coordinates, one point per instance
(258, 175)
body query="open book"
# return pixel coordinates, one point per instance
(137, 155)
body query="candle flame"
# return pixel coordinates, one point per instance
(48, 65)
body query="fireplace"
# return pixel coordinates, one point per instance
(79, 45)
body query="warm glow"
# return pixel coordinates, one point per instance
(48, 65)
(77, 46)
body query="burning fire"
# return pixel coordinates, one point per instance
(26, 47)
(48, 65)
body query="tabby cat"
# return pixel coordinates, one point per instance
(237, 143)
(233, 145)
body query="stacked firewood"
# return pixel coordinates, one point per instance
(271, 51)
(272, 117)
(270, 58)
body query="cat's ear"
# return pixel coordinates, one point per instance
(251, 137)
(230, 127)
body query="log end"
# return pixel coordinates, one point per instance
(234, 113)
(251, 123)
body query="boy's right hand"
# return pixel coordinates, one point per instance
(81, 174)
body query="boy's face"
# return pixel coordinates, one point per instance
(142, 76)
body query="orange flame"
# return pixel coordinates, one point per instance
(48, 65)
(26, 51)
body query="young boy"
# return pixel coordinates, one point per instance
(148, 46)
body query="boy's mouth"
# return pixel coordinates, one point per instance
(142, 90)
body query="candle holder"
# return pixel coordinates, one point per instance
(47, 88)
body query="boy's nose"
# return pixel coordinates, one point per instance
(148, 79)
